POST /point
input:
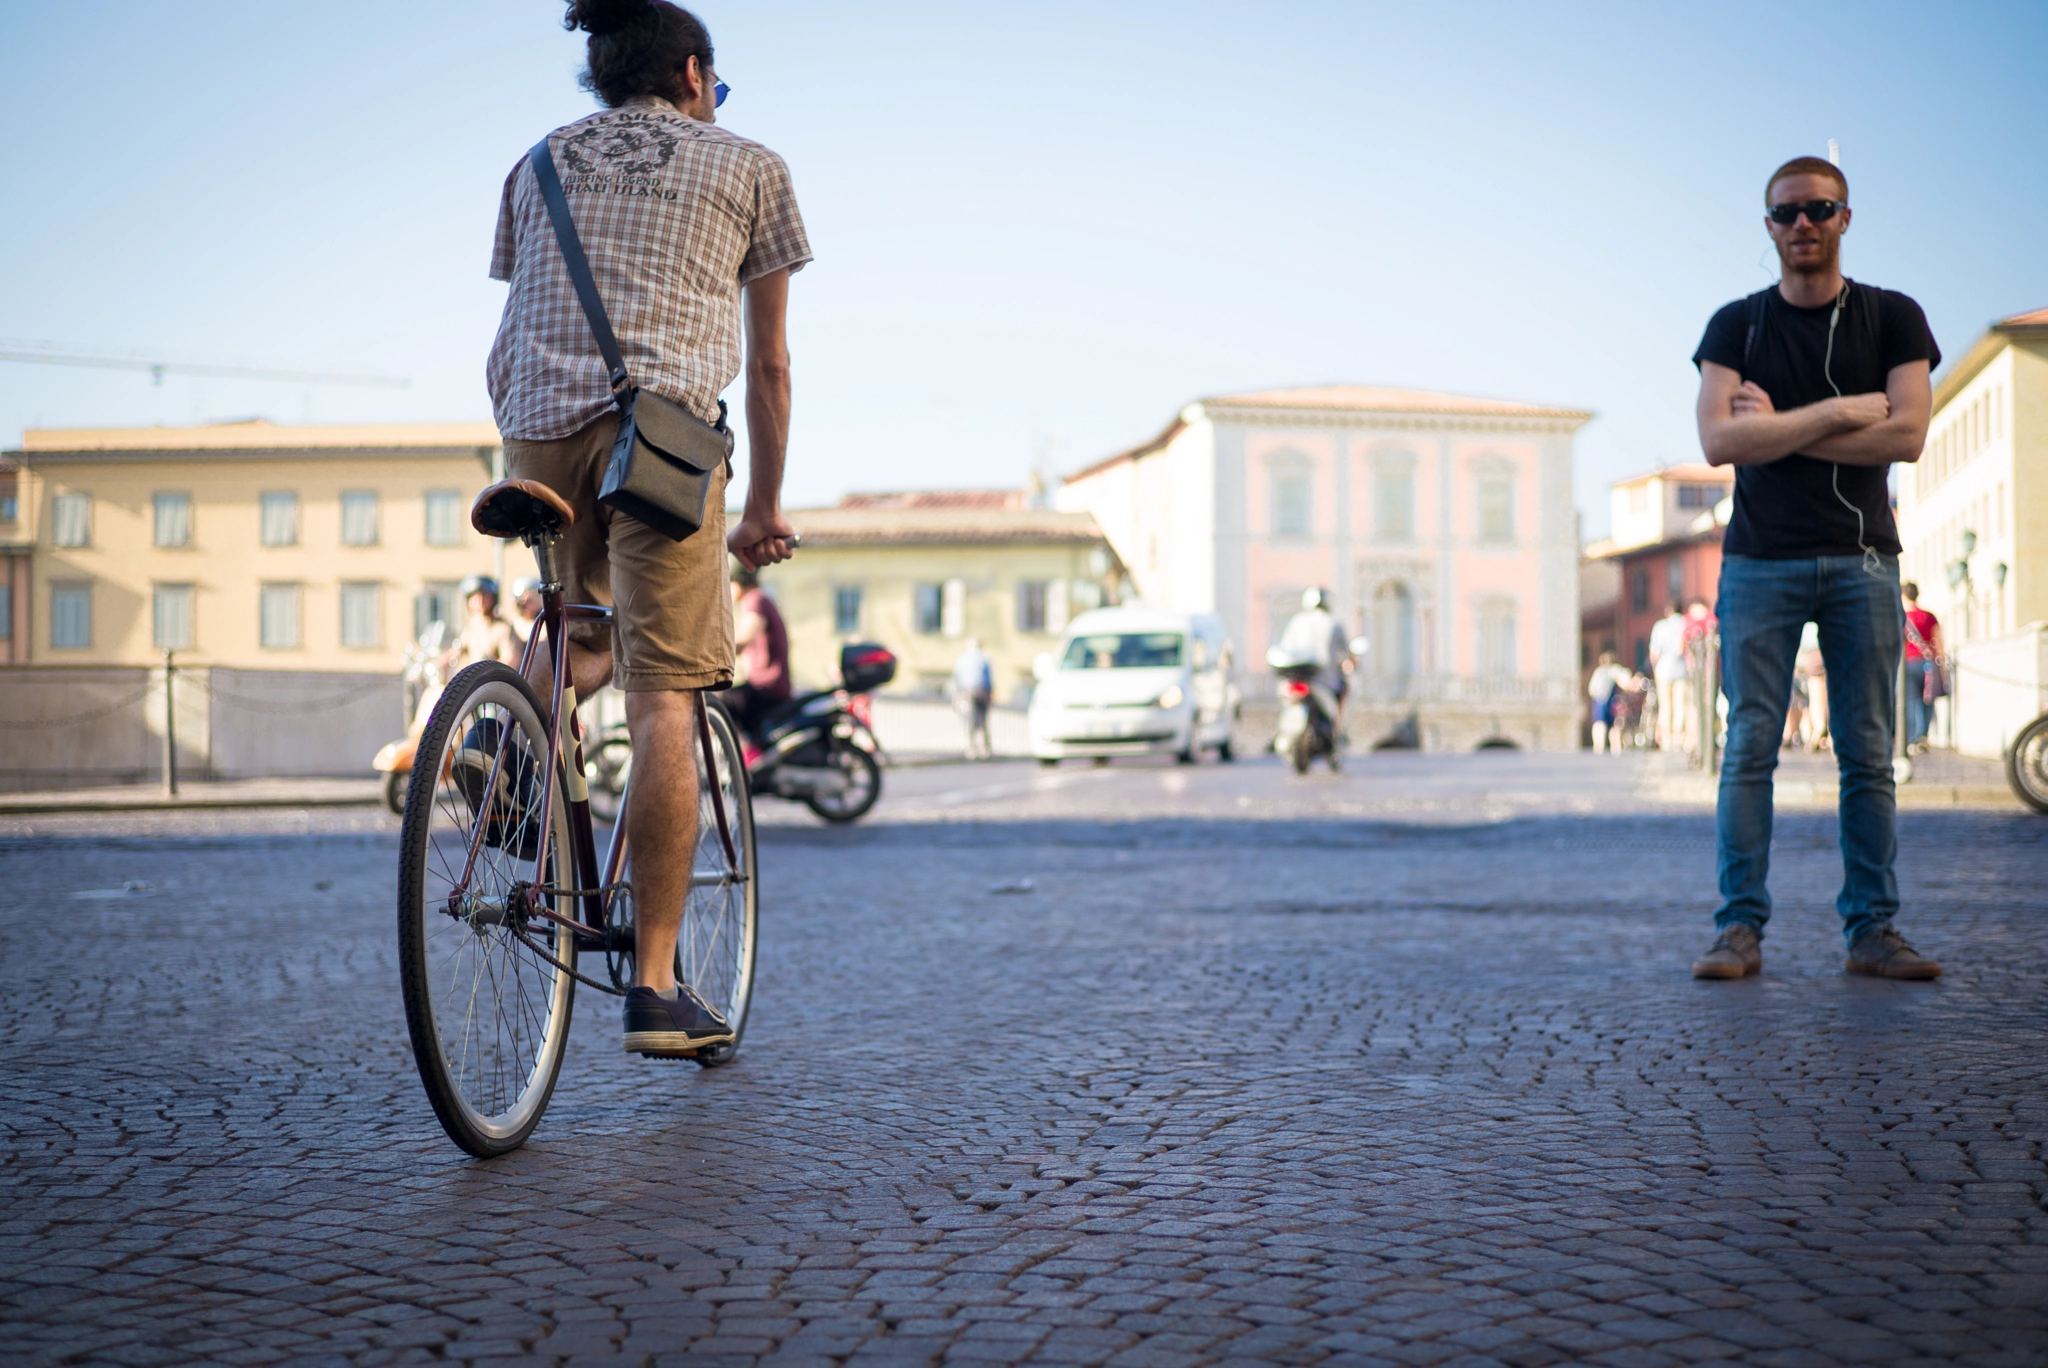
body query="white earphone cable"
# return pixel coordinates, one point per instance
(1870, 563)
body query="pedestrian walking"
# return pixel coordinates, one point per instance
(1924, 679)
(1811, 389)
(687, 229)
(973, 687)
(1673, 675)
(1604, 688)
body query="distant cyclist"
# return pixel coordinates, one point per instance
(688, 229)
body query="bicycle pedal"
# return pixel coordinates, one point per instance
(680, 1056)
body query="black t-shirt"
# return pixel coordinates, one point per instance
(1787, 510)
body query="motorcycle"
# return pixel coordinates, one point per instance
(816, 748)
(819, 748)
(1308, 712)
(423, 682)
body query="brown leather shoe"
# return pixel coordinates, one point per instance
(1737, 953)
(1883, 953)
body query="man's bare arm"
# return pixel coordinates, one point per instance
(1899, 438)
(763, 535)
(1738, 426)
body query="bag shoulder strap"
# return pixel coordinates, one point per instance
(550, 183)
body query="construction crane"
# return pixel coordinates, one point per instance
(43, 356)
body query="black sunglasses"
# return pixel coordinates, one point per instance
(1816, 211)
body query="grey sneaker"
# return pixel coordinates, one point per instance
(1736, 953)
(661, 1029)
(1883, 953)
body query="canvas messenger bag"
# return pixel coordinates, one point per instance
(662, 460)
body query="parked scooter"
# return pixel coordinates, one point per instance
(422, 673)
(819, 748)
(1308, 712)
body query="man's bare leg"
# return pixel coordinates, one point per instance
(589, 670)
(661, 826)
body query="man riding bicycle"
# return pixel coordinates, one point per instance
(685, 225)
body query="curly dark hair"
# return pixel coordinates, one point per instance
(638, 47)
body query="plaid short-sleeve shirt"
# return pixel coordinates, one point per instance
(675, 215)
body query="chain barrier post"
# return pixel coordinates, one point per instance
(170, 731)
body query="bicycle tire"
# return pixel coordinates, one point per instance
(2026, 764)
(488, 1018)
(720, 928)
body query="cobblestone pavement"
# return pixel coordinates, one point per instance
(1413, 1076)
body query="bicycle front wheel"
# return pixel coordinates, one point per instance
(487, 1012)
(2026, 764)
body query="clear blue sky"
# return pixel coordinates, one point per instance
(1040, 229)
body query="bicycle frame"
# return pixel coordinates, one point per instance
(565, 745)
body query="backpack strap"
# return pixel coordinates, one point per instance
(1753, 314)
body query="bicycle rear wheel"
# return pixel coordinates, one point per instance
(488, 1016)
(715, 941)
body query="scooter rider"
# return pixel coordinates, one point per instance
(1315, 634)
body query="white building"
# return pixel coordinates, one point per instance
(1442, 525)
(1973, 521)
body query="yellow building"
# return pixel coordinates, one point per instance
(245, 545)
(920, 573)
(1973, 520)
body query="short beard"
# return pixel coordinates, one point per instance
(1828, 263)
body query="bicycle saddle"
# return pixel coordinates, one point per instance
(520, 508)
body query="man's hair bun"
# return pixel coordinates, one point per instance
(638, 47)
(597, 17)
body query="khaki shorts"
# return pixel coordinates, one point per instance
(671, 610)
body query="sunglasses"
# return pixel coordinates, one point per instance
(1816, 211)
(719, 90)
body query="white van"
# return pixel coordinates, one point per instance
(1136, 681)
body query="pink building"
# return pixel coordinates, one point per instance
(1443, 527)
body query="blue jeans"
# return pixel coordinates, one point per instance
(1919, 712)
(1764, 605)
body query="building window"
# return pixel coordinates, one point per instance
(928, 608)
(1497, 638)
(362, 616)
(1639, 588)
(172, 521)
(170, 617)
(1496, 506)
(444, 517)
(10, 502)
(6, 612)
(436, 603)
(1697, 496)
(1291, 494)
(1674, 580)
(280, 518)
(70, 617)
(278, 618)
(71, 520)
(846, 609)
(358, 517)
(1031, 605)
(1393, 502)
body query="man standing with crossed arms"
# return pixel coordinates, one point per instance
(1811, 389)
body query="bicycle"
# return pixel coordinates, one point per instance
(501, 892)
(2026, 764)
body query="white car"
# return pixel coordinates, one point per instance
(1135, 681)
